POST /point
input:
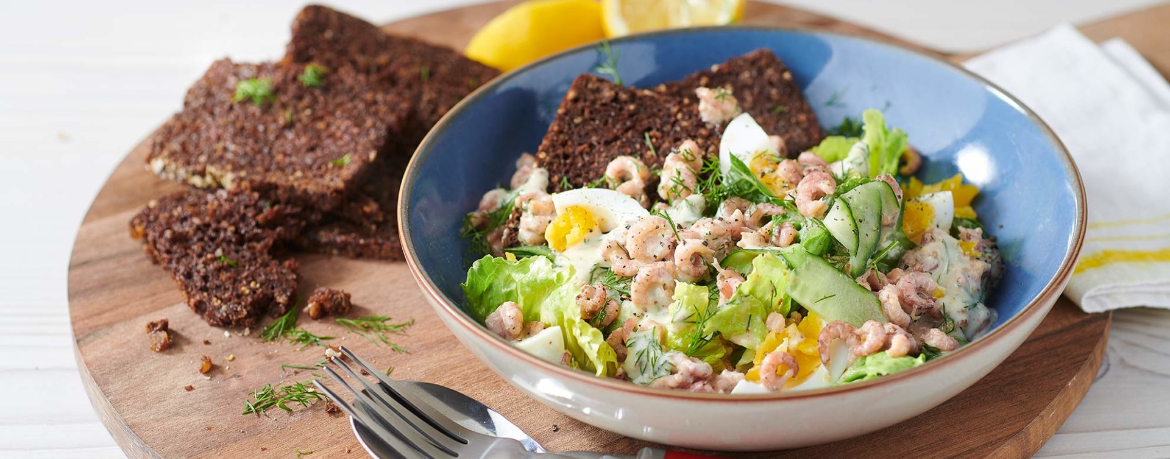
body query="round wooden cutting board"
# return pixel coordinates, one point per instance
(114, 291)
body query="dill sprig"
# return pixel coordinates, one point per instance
(607, 278)
(710, 183)
(313, 75)
(227, 261)
(378, 327)
(666, 216)
(320, 364)
(259, 90)
(835, 99)
(477, 236)
(267, 397)
(698, 340)
(284, 328)
(649, 144)
(609, 66)
(342, 161)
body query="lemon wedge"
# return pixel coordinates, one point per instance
(535, 29)
(624, 17)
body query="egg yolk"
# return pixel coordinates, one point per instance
(962, 193)
(764, 166)
(800, 339)
(916, 219)
(571, 227)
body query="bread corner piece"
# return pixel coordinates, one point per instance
(218, 246)
(599, 121)
(765, 88)
(432, 77)
(295, 142)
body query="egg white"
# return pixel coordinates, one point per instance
(610, 208)
(942, 204)
(744, 138)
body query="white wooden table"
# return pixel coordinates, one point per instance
(80, 84)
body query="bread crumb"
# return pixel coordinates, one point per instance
(189, 388)
(230, 357)
(205, 365)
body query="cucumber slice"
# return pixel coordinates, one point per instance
(865, 202)
(831, 294)
(839, 222)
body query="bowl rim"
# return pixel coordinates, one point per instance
(1052, 289)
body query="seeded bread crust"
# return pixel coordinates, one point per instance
(599, 121)
(764, 87)
(308, 145)
(218, 246)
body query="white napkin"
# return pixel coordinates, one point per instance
(1112, 110)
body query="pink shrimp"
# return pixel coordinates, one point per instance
(916, 293)
(871, 338)
(593, 300)
(507, 321)
(810, 190)
(790, 171)
(524, 167)
(619, 261)
(779, 144)
(727, 280)
(651, 239)
(771, 365)
(832, 331)
(692, 258)
(899, 342)
(617, 338)
(939, 340)
(717, 106)
(888, 296)
(653, 287)
(897, 191)
(810, 161)
(775, 322)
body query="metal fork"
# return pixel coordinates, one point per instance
(410, 425)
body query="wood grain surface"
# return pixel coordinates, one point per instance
(114, 290)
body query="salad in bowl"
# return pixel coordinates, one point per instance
(750, 268)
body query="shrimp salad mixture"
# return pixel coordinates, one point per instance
(745, 273)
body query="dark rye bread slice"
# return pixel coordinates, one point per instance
(764, 87)
(218, 246)
(599, 120)
(434, 78)
(309, 145)
(366, 225)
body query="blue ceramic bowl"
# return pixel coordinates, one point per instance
(959, 122)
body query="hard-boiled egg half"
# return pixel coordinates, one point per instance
(927, 212)
(587, 212)
(748, 142)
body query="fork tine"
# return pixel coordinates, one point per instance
(419, 407)
(404, 432)
(395, 408)
(385, 435)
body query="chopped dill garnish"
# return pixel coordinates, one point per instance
(389, 370)
(710, 183)
(603, 181)
(378, 327)
(288, 116)
(227, 261)
(849, 127)
(472, 83)
(477, 236)
(835, 99)
(259, 90)
(302, 453)
(267, 397)
(564, 183)
(778, 109)
(315, 366)
(424, 73)
(722, 93)
(662, 213)
(609, 66)
(284, 328)
(699, 340)
(313, 75)
(649, 144)
(607, 278)
(342, 161)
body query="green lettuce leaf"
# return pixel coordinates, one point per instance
(885, 146)
(741, 319)
(546, 294)
(834, 148)
(815, 238)
(691, 308)
(880, 364)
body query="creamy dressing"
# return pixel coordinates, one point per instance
(687, 211)
(537, 181)
(856, 162)
(963, 302)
